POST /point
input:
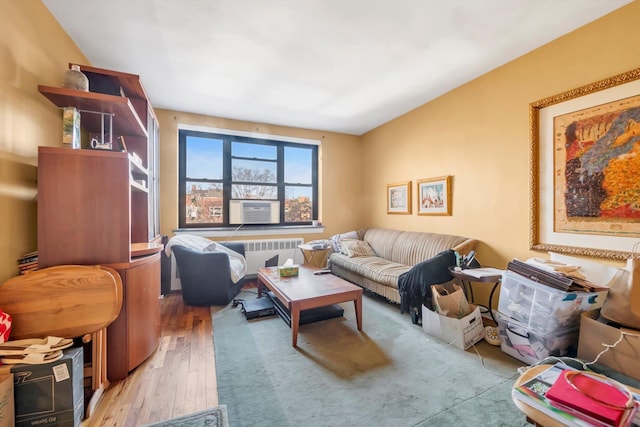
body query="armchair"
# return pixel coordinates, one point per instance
(206, 275)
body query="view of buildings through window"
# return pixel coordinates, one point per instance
(217, 168)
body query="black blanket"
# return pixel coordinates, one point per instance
(415, 284)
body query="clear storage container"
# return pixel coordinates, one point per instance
(541, 308)
(520, 342)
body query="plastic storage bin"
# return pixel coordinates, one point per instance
(520, 342)
(541, 308)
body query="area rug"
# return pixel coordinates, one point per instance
(389, 374)
(213, 417)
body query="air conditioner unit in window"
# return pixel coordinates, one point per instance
(254, 212)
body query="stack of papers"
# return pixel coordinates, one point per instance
(480, 273)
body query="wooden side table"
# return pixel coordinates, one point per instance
(314, 256)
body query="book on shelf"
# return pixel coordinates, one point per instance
(24, 265)
(534, 393)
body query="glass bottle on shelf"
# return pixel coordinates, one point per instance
(75, 79)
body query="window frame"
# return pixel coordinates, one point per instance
(227, 137)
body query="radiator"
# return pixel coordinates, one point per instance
(256, 253)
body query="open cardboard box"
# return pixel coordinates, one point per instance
(596, 332)
(462, 333)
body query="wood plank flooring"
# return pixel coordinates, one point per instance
(178, 378)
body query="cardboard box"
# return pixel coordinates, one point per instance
(70, 127)
(595, 333)
(462, 333)
(7, 412)
(50, 394)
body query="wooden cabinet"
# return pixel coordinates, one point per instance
(134, 335)
(101, 206)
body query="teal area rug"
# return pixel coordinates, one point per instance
(390, 374)
(213, 417)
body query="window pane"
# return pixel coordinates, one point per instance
(297, 165)
(204, 158)
(254, 151)
(203, 202)
(253, 171)
(259, 192)
(298, 204)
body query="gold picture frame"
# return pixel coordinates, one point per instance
(434, 196)
(562, 132)
(399, 198)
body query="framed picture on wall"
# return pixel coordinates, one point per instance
(434, 196)
(585, 160)
(399, 198)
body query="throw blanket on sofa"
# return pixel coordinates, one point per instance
(237, 263)
(415, 285)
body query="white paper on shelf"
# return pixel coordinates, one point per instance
(482, 272)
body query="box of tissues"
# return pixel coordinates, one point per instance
(288, 269)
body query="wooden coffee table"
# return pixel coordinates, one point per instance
(308, 290)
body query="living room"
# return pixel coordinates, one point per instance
(478, 133)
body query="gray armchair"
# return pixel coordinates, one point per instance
(206, 276)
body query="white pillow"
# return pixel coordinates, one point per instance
(335, 240)
(356, 248)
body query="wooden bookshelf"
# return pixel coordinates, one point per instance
(92, 105)
(100, 207)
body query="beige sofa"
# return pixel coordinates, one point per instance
(396, 252)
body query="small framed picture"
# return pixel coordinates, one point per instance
(399, 198)
(434, 196)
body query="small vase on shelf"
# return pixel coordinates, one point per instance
(75, 79)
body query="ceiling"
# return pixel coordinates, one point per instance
(334, 65)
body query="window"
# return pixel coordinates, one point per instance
(216, 168)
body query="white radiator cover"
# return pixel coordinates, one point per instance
(256, 253)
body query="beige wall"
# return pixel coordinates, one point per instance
(479, 134)
(340, 189)
(33, 50)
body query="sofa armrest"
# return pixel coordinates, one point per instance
(467, 246)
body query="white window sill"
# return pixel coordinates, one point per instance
(250, 231)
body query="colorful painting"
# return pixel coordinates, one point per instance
(585, 169)
(434, 196)
(597, 160)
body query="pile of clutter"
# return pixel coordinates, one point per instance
(30, 351)
(33, 351)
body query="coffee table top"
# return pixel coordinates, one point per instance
(306, 285)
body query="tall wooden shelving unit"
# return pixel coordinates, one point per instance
(101, 206)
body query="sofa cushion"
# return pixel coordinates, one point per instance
(373, 268)
(382, 240)
(355, 248)
(413, 247)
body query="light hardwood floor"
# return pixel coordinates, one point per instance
(178, 378)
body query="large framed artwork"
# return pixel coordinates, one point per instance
(434, 196)
(585, 169)
(399, 198)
